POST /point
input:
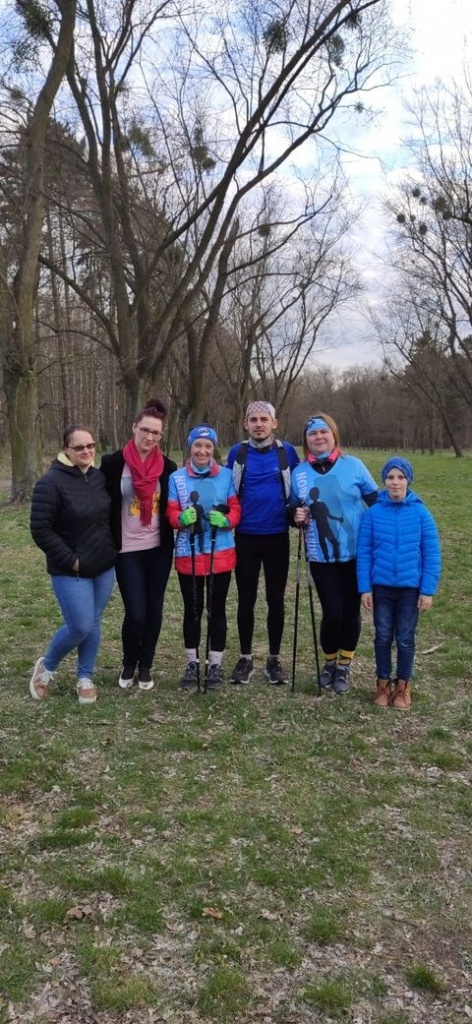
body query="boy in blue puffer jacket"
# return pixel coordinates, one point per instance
(398, 570)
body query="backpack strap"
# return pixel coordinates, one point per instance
(239, 466)
(284, 467)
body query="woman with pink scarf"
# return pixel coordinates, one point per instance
(137, 478)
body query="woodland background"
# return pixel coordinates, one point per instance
(176, 220)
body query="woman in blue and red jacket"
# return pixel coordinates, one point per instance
(204, 508)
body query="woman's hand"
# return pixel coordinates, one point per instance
(217, 519)
(367, 601)
(300, 516)
(75, 567)
(424, 602)
(188, 517)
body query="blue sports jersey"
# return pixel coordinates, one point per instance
(264, 508)
(335, 505)
(203, 493)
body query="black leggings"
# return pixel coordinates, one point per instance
(336, 585)
(272, 552)
(192, 617)
(142, 578)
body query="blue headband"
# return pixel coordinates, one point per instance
(204, 431)
(316, 424)
(396, 462)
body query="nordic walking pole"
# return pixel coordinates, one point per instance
(309, 579)
(194, 496)
(224, 509)
(209, 608)
(195, 597)
(297, 603)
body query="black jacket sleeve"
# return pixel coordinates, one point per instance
(45, 509)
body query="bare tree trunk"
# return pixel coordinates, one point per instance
(58, 321)
(20, 381)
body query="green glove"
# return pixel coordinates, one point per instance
(188, 517)
(217, 519)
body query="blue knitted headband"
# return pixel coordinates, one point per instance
(316, 424)
(397, 462)
(204, 431)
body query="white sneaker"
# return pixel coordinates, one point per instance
(145, 680)
(39, 682)
(86, 691)
(126, 679)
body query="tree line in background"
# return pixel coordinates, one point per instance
(374, 408)
(175, 221)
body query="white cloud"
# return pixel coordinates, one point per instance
(440, 38)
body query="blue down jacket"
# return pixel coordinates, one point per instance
(398, 546)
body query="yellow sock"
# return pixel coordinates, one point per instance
(345, 657)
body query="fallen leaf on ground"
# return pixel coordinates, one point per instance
(212, 912)
(78, 912)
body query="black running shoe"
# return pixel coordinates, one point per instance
(214, 678)
(189, 680)
(328, 674)
(243, 671)
(342, 679)
(275, 672)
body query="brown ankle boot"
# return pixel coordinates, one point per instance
(382, 694)
(401, 699)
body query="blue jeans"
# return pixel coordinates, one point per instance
(395, 618)
(82, 603)
(142, 578)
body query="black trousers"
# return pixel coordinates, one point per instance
(336, 585)
(271, 552)
(142, 578)
(193, 615)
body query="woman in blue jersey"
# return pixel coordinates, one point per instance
(330, 491)
(203, 507)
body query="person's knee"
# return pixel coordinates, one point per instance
(246, 603)
(275, 600)
(406, 643)
(383, 635)
(80, 630)
(135, 613)
(334, 622)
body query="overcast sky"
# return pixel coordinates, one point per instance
(439, 36)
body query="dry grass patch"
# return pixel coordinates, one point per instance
(255, 856)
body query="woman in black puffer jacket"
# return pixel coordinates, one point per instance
(70, 522)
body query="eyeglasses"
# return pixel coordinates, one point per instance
(82, 447)
(156, 434)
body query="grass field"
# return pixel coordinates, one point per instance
(251, 855)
